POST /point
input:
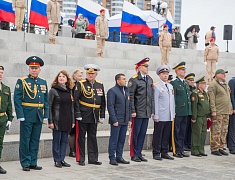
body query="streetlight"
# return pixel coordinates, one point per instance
(159, 6)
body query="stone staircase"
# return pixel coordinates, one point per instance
(70, 53)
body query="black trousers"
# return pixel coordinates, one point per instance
(188, 134)
(231, 133)
(80, 35)
(161, 135)
(179, 134)
(92, 147)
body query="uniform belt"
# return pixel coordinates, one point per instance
(89, 105)
(32, 104)
(3, 114)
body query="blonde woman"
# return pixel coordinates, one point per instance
(76, 76)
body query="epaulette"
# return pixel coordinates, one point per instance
(42, 78)
(84, 80)
(99, 82)
(196, 91)
(155, 83)
(24, 77)
(135, 76)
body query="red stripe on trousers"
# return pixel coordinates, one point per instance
(132, 154)
(77, 145)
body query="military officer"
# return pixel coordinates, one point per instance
(200, 114)
(187, 142)
(182, 110)
(89, 99)
(142, 108)
(5, 112)
(19, 6)
(164, 113)
(31, 106)
(221, 107)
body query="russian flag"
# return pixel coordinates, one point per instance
(38, 14)
(134, 20)
(6, 12)
(169, 21)
(90, 10)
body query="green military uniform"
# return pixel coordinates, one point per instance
(5, 113)
(31, 106)
(200, 112)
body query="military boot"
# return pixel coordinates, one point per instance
(2, 171)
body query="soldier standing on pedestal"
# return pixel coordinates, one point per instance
(19, 7)
(32, 108)
(5, 112)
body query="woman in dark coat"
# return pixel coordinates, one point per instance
(61, 115)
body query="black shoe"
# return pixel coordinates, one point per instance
(166, 156)
(223, 152)
(157, 157)
(26, 168)
(143, 159)
(203, 154)
(232, 151)
(2, 171)
(72, 154)
(95, 163)
(122, 161)
(81, 163)
(113, 162)
(185, 155)
(136, 159)
(35, 167)
(224, 148)
(217, 153)
(178, 155)
(58, 164)
(65, 164)
(197, 155)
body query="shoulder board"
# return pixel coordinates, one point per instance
(84, 80)
(99, 82)
(196, 91)
(135, 76)
(155, 83)
(24, 77)
(42, 78)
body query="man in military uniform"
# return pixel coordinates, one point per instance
(221, 107)
(231, 125)
(187, 142)
(31, 106)
(5, 112)
(89, 99)
(182, 110)
(142, 108)
(200, 113)
(165, 43)
(164, 113)
(19, 7)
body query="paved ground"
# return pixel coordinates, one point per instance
(201, 168)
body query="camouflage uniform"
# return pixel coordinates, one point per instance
(221, 104)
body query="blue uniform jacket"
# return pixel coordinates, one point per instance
(31, 91)
(231, 84)
(118, 105)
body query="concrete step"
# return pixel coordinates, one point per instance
(11, 144)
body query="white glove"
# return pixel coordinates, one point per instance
(205, 63)
(21, 119)
(49, 21)
(79, 119)
(8, 125)
(216, 63)
(45, 120)
(98, 36)
(102, 120)
(13, 9)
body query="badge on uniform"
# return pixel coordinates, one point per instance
(210, 89)
(193, 98)
(43, 88)
(17, 86)
(29, 85)
(129, 84)
(99, 91)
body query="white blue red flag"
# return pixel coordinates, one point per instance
(38, 14)
(6, 12)
(90, 10)
(134, 20)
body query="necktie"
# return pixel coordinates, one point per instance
(167, 87)
(144, 78)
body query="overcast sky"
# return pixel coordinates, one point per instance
(207, 13)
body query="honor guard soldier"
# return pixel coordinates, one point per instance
(200, 114)
(142, 108)
(182, 110)
(89, 99)
(5, 112)
(164, 113)
(31, 106)
(187, 142)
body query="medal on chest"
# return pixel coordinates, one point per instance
(99, 91)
